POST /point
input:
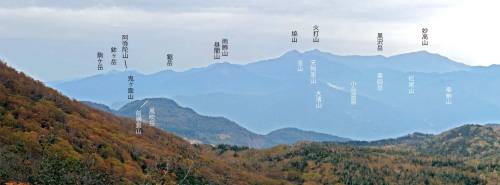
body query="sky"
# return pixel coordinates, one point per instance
(54, 40)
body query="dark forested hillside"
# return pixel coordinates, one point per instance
(469, 154)
(473, 141)
(46, 138)
(329, 163)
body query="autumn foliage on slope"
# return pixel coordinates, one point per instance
(329, 163)
(46, 138)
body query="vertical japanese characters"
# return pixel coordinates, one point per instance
(170, 59)
(216, 50)
(138, 122)
(353, 93)
(319, 100)
(315, 33)
(425, 37)
(125, 50)
(313, 71)
(411, 84)
(380, 42)
(221, 49)
(113, 55)
(152, 116)
(225, 47)
(380, 81)
(100, 55)
(300, 66)
(294, 36)
(449, 95)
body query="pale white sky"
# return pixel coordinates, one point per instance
(57, 40)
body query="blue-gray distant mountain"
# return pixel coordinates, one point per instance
(271, 94)
(99, 106)
(292, 135)
(211, 130)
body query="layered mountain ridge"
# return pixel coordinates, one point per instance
(275, 95)
(211, 130)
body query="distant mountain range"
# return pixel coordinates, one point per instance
(271, 94)
(211, 130)
(47, 138)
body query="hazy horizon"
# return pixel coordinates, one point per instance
(53, 40)
(230, 62)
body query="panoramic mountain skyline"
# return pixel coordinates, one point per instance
(64, 36)
(234, 92)
(276, 95)
(66, 142)
(400, 57)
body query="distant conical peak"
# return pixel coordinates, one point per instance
(292, 52)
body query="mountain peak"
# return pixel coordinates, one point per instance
(420, 53)
(224, 64)
(424, 61)
(287, 128)
(423, 52)
(316, 52)
(292, 53)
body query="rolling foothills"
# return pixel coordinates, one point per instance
(47, 138)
